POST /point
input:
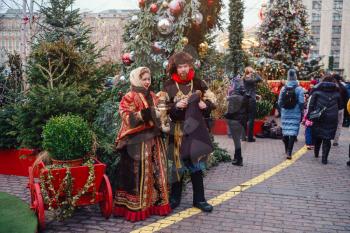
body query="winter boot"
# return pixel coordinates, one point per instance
(317, 149)
(238, 160)
(285, 142)
(326, 147)
(175, 195)
(198, 192)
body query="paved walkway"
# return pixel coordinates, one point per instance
(304, 197)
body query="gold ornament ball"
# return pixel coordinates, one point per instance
(203, 46)
(165, 4)
(184, 40)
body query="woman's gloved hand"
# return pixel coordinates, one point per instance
(146, 114)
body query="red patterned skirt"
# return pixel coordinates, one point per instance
(142, 181)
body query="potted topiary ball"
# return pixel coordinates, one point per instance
(67, 139)
(68, 182)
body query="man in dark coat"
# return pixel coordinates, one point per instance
(189, 142)
(325, 94)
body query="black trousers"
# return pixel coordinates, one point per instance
(289, 144)
(326, 147)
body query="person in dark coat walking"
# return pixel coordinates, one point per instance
(237, 115)
(326, 94)
(344, 99)
(189, 101)
(250, 80)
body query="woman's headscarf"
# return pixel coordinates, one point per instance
(135, 76)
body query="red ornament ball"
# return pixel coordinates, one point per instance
(156, 47)
(154, 8)
(142, 3)
(126, 59)
(175, 7)
(211, 3)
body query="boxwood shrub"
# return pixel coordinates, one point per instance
(67, 137)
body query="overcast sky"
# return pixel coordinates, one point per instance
(250, 16)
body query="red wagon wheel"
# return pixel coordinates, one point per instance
(31, 186)
(106, 202)
(38, 204)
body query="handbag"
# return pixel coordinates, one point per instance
(317, 114)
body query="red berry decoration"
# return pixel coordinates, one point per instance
(26, 19)
(154, 8)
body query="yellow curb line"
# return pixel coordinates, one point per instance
(170, 220)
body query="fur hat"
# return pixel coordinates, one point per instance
(292, 75)
(179, 58)
(135, 76)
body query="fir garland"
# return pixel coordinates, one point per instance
(65, 204)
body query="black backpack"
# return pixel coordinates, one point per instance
(289, 98)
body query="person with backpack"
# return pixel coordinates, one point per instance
(291, 102)
(324, 105)
(237, 115)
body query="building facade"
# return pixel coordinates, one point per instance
(107, 30)
(10, 33)
(330, 27)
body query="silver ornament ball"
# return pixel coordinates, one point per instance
(197, 18)
(165, 26)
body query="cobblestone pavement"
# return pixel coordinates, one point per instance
(305, 197)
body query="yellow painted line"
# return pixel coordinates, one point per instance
(170, 220)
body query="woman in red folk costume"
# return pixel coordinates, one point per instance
(142, 178)
(190, 101)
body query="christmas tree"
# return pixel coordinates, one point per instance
(63, 53)
(235, 29)
(11, 80)
(64, 75)
(284, 38)
(11, 93)
(163, 27)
